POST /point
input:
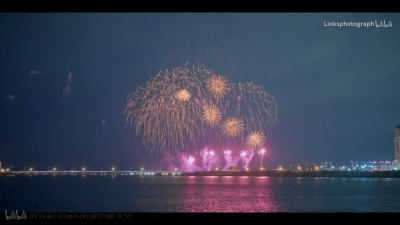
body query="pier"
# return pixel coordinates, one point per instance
(91, 173)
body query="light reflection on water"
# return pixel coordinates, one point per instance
(198, 194)
(230, 194)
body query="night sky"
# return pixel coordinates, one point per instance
(337, 88)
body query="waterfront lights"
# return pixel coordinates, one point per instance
(54, 169)
(83, 169)
(175, 169)
(141, 169)
(280, 168)
(30, 169)
(113, 169)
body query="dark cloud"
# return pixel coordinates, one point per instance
(33, 72)
(10, 97)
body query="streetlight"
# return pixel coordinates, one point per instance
(54, 169)
(141, 168)
(30, 169)
(83, 169)
(113, 169)
(261, 152)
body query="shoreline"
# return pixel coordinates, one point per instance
(351, 174)
(268, 173)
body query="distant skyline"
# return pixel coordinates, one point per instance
(65, 78)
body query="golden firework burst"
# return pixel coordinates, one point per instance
(232, 127)
(211, 116)
(217, 86)
(255, 140)
(183, 95)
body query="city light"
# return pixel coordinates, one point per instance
(113, 169)
(54, 169)
(83, 169)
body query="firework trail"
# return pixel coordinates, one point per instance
(229, 161)
(193, 106)
(208, 158)
(248, 157)
(170, 109)
(67, 88)
(255, 107)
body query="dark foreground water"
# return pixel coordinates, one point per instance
(198, 194)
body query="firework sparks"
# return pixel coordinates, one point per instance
(183, 95)
(255, 140)
(232, 127)
(165, 113)
(217, 86)
(212, 116)
(176, 109)
(255, 106)
(191, 159)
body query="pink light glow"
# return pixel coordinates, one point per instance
(262, 151)
(191, 159)
(243, 154)
(227, 152)
(211, 153)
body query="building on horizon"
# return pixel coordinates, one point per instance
(396, 162)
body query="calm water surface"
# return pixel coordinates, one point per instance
(198, 194)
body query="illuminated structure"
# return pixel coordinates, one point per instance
(396, 162)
